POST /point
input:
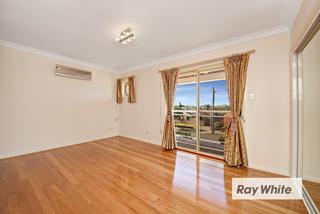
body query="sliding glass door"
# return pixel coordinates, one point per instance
(200, 107)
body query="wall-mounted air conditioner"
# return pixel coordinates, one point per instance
(65, 71)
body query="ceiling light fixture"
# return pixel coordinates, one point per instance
(126, 36)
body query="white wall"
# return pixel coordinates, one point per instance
(41, 111)
(267, 117)
(310, 110)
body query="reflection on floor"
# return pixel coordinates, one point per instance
(314, 191)
(121, 175)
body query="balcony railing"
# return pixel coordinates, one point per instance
(209, 132)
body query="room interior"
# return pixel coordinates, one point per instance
(157, 106)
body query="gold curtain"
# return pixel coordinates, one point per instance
(169, 80)
(235, 152)
(131, 90)
(119, 91)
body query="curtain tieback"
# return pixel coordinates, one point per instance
(234, 124)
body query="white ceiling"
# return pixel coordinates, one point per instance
(86, 29)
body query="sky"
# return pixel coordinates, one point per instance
(186, 93)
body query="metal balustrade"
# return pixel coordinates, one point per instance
(210, 136)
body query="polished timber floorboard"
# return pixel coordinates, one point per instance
(313, 190)
(121, 175)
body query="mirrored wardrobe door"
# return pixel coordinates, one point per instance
(309, 123)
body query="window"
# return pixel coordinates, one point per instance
(125, 88)
(200, 106)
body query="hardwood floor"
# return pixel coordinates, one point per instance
(120, 175)
(313, 189)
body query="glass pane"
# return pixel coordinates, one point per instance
(310, 119)
(213, 104)
(212, 132)
(213, 92)
(186, 92)
(185, 125)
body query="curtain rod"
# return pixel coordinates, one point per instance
(126, 77)
(215, 60)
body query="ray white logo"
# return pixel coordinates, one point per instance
(266, 188)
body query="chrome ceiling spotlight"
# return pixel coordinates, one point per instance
(126, 36)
